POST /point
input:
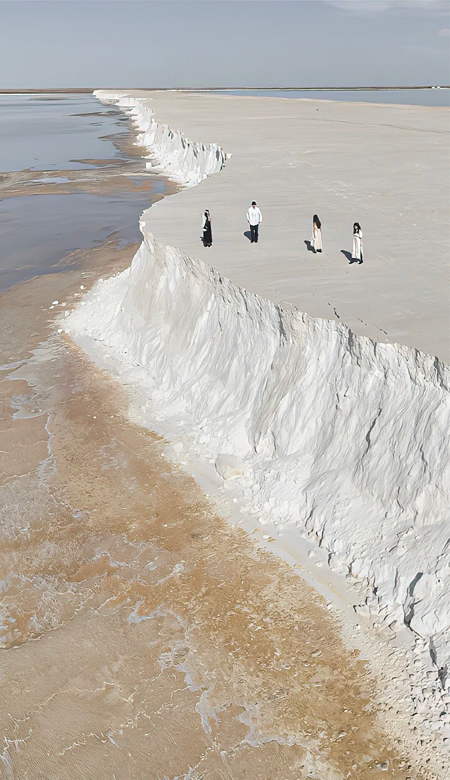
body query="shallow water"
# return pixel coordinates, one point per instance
(416, 97)
(56, 132)
(43, 218)
(39, 230)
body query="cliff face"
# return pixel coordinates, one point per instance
(341, 436)
(185, 162)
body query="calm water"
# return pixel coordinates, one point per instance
(37, 231)
(52, 133)
(55, 132)
(417, 97)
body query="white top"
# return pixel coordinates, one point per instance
(254, 216)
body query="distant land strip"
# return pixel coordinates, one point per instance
(54, 90)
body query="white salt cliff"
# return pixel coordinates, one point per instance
(326, 430)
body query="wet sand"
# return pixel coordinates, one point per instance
(142, 636)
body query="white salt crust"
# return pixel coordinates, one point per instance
(341, 437)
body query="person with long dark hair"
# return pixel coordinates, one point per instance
(317, 234)
(357, 251)
(207, 229)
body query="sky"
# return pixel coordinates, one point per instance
(193, 43)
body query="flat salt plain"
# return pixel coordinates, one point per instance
(385, 166)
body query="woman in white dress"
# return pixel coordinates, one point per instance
(357, 252)
(317, 234)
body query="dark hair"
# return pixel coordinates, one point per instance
(253, 202)
(317, 221)
(356, 227)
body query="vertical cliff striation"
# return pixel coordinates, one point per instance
(185, 162)
(343, 437)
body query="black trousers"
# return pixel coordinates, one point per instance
(254, 233)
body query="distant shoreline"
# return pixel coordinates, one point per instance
(44, 91)
(84, 90)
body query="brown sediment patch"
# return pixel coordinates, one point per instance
(109, 176)
(115, 179)
(127, 143)
(168, 643)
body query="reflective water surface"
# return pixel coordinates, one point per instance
(416, 97)
(39, 230)
(50, 132)
(71, 205)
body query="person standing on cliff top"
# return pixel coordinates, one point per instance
(207, 229)
(317, 234)
(254, 218)
(357, 250)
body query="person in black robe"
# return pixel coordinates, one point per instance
(207, 229)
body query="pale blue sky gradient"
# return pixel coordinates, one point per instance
(172, 43)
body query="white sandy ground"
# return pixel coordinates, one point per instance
(366, 477)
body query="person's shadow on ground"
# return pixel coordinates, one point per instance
(248, 235)
(349, 257)
(310, 247)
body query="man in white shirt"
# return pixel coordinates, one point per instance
(254, 218)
